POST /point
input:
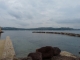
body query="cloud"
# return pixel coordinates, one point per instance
(3, 5)
(15, 14)
(40, 13)
(75, 21)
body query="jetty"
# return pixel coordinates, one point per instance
(6, 49)
(61, 33)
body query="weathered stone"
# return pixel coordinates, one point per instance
(62, 58)
(56, 51)
(68, 54)
(35, 56)
(79, 52)
(15, 58)
(29, 58)
(24, 58)
(47, 52)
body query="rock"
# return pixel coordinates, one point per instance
(15, 58)
(25, 58)
(79, 58)
(72, 34)
(48, 52)
(56, 51)
(29, 58)
(35, 56)
(63, 58)
(65, 53)
(79, 52)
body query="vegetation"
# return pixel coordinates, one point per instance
(41, 28)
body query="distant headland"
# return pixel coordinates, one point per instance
(40, 28)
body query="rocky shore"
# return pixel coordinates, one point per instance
(49, 53)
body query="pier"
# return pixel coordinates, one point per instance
(6, 49)
(61, 33)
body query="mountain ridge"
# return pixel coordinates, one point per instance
(39, 28)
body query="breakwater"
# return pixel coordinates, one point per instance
(61, 33)
(6, 49)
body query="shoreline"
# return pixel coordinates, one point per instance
(9, 53)
(63, 54)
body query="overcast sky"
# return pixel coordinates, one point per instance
(40, 13)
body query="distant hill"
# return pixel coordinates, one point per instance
(40, 28)
(12, 28)
(50, 28)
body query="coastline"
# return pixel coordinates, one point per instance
(10, 52)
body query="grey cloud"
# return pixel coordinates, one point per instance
(20, 15)
(24, 24)
(3, 5)
(21, 23)
(36, 13)
(70, 10)
(28, 16)
(75, 21)
(15, 14)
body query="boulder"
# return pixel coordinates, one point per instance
(49, 52)
(68, 54)
(15, 58)
(26, 59)
(63, 58)
(35, 56)
(56, 51)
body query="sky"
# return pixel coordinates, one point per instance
(40, 13)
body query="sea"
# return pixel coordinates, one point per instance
(25, 42)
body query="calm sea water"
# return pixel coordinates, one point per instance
(25, 42)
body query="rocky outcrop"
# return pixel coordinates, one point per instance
(56, 51)
(63, 58)
(35, 56)
(64, 55)
(49, 52)
(68, 54)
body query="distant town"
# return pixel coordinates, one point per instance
(40, 28)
